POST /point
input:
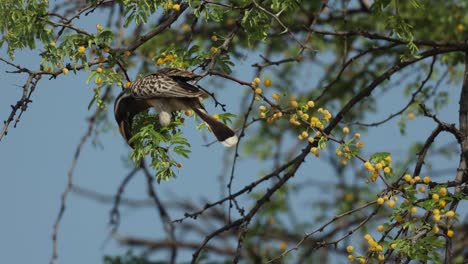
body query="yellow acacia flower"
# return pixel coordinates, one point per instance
(258, 91)
(450, 233)
(380, 201)
(267, 82)
(345, 130)
(443, 191)
(81, 49)
(450, 214)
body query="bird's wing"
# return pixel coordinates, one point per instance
(162, 85)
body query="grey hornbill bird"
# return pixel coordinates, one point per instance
(167, 90)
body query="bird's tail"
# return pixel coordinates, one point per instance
(223, 133)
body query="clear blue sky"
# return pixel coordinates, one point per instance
(35, 158)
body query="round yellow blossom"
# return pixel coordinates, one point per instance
(362, 260)
(349, 249)
(311, 140)
(367, 237)
(257, 98)
(435, 196)
(417, 178)
(398, 218)
(385, 198)
(276, 96)
(65, 71)
(442, 203)
(216, 116)
(378, 166)
(436, 217)
(391, 203)
(257, 80)
(258, 91)
(305, 117)
(98, 80)
(315, 151)
(213, 49)
(293, 104)
(267, 82)
(106, 49)
(262, 108)
(411, 116)
(436, 211)
(393, 245)
(128, 84)
(304, 134)
(52, 44)
(101, 59)
(427, 180)
(443, 191)
(345, 130)
(360, 144)
(388, 158)
(310, 104)
(351, 258)
(460, 27)
(185, 27)
(387, 170)
(278, 114)
(160, 61)
(339, 153)
(283, 245)
(450, 233)
(357, 135)
(99, 69)
(262, 115)
(408, 177)
(176, 7)
(127, 53)
(380, 228)
(450, 214)
(379, 248)
(98, 27)
(81, 50)
(179, 165)
(413, 209)
(215, 38)
(422, 189)
(381, 257)
(380, 200)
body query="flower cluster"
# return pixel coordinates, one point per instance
(378, 165)
(166, 58)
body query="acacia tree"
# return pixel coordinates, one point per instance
(321, 68)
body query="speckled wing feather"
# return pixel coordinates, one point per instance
(167, 83)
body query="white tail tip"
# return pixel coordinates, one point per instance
(229, 142)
